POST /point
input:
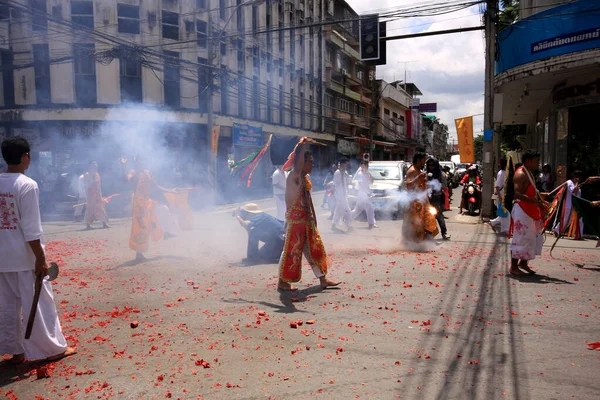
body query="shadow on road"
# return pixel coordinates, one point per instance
(135, 262)
(595, 268)
(479, 359)
(9, 373)
(537, 278)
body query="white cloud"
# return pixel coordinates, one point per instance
(448, 69)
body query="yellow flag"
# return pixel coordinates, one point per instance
(466, 145)
(214, 139)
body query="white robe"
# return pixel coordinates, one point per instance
(342, 208)
(363, 199)
(527, 238)
(16, 297)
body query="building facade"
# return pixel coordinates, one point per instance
(74, 73)
(392, 126)
(348, 91)
(548, 81)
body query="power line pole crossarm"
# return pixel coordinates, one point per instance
(491, 13)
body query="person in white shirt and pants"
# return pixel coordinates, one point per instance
(342, 208)
(501, 221)
(279, 181)
(363, 181)
(23, 258)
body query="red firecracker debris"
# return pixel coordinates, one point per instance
(134, 324)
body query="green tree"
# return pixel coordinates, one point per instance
(478, 144)
(509, 13)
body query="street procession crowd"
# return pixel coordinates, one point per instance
(25, 290)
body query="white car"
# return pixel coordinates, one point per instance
(388, 182)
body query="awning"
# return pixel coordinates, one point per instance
(367, 140)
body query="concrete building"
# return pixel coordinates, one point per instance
(548, 81)
(74, 71)
(348, 94)
(393, 107)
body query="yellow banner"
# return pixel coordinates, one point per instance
(214, 139)
(466, 145)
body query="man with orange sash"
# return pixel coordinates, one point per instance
(95, 208)
(150, 219)
(302, 236)
(527, 216)
(419, 222)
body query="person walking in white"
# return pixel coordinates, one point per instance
(81, 198)
(279, 181)
(24, 258)
(342, 208)
(363, 181)
(502, 221)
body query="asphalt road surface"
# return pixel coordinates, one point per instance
(445, 323)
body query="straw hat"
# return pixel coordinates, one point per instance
(251, 208)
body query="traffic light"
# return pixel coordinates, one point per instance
(369, 37)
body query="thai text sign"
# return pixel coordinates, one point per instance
(246, 135)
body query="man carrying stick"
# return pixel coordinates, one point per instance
(302, 236)
(24, 259)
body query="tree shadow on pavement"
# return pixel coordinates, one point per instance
(135, 261)
(478, 353)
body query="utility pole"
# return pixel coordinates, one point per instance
(212, 167)
(491, 13)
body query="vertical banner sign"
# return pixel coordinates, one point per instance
(466, 145)
(214, 146)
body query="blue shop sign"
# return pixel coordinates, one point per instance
(246, 135)
(561, 30)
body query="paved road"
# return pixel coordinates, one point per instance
(443, 324)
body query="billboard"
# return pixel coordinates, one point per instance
(246, 135)
(428, 107)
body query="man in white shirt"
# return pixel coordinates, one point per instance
(342, 208)
(502, 221)
(279, 181)
(363, 181)
(23, 258)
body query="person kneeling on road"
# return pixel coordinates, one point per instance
(261, 227)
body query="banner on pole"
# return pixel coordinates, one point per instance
(215, 132)
(466, 144)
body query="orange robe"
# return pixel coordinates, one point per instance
(302, 237)
(144, 222)
(178, 204)
(418, 220)
(94, 210)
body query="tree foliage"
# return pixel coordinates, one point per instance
(509, 13)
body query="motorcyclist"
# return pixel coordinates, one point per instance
(436, 198)
(472, 176)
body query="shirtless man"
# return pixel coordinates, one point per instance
(528, 216)
(302, 236)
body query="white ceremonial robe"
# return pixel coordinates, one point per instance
(16, 297)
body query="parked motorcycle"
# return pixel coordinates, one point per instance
(472, 197)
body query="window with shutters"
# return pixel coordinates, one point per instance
(170, 25)
(85, 74)
(82, 13)
(128, 19)
(130, 71)
(41, 66)
(202, 33)
(39, 17)
(172, 79)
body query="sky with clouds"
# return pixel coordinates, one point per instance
(448, 69)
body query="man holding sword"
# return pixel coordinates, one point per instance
(23, 265)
